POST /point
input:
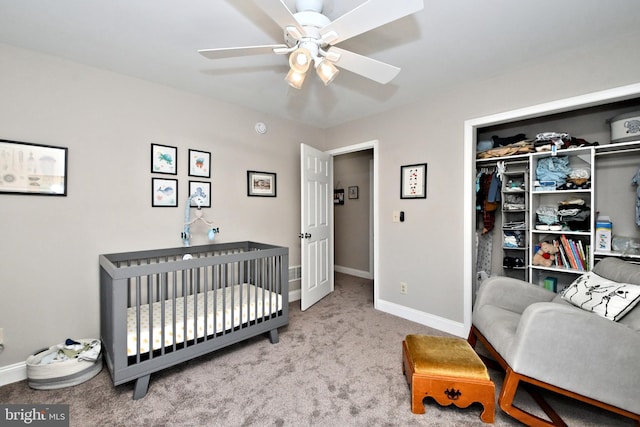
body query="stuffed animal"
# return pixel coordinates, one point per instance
(546, 255)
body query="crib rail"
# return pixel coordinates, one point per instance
(158, 308)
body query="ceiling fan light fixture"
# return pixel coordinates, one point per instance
(326, 71)
(295, 79)
(300, 60)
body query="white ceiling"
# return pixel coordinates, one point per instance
(450, 42)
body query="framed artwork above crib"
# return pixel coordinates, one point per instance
(164, 193)
(164, 159)
(200, 194)
(199, 163)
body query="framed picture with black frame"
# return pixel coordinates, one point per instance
(33, 169)
(413, 181)
(353, 192)
(200, 194)
(164, 193)
(261, 184)
(199, 163)
(164, 159)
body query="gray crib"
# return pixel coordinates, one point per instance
(162, 307)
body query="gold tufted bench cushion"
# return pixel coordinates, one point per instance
(448, 370)
(445, 356)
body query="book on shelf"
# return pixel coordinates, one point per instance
(561, 256)
(575, 252)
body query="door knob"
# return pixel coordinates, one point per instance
(307, 235)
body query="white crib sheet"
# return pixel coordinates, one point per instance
(249, 313)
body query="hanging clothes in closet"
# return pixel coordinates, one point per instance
(488, 185)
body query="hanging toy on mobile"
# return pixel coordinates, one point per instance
(199, 197)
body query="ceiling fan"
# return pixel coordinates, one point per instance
(310, 37)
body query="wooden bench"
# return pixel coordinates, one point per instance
(448, 370)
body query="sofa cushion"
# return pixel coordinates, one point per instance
(498, 325)
(604, 297)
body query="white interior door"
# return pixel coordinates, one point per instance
(316, 218)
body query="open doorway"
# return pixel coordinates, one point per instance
(317, 221)
(353, 219)
(360, 268)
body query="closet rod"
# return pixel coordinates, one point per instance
(623, 151)
(495, 162)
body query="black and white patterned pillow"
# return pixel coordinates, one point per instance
(602, 296)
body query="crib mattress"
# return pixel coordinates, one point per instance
(256, 303)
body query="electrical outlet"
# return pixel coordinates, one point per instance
(403, 288)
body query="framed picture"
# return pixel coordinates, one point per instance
(199, 163)
(164, 159)
(200, 194)
(353, 192)
(33, 169)
(413, 181)
(261, 184)
(338, 196)
(164, 193)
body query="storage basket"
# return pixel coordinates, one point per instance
(625, 127)
(61, 374)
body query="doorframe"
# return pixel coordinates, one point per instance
(470, 133)
(368, 145)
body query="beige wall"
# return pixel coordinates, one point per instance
(50, 245)
(352, 219)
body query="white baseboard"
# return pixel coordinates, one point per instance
(13, 373)
(295, 295)
(436, 322)
(353, 272)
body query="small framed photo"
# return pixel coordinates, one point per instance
(353, 192)
(164, 159)
(338, 196)
(164, 193)
(200, 194)
(261, 184)
(413, 181)
(32, 169)
(199, 163)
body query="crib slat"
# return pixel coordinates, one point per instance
(150, 305)
(184, 308)
(163, 297)
(174, 314)
(138, 332)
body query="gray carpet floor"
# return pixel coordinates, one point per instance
(337, 364)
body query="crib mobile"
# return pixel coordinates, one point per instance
(199, 197)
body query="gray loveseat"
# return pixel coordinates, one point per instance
(539, 338)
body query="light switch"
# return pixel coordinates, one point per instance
(396, 216)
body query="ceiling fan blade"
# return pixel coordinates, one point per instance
(280, 13)
(369, 15)
(233, 52)
(367, 67)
